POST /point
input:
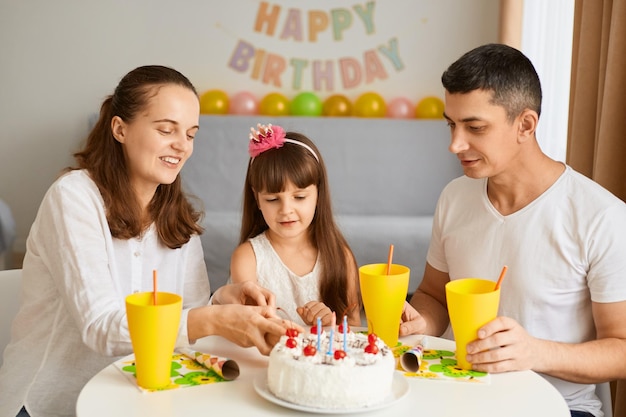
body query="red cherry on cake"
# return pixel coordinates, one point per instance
(340, 329)
(340, 354)
(292, 332)
(371, 348)
(291, 343)
(372, 338)
(313, 329)
(309, 350)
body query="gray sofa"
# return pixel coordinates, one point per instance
(385, 177)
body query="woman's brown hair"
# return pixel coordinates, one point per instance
(175, 218)
(270, 172)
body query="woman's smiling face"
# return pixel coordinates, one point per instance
(159, 140)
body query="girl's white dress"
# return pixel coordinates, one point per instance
(291, 290)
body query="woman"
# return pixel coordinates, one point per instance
(101, 230)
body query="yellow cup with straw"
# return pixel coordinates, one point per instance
(153, 321)
(384, 288)
(472, 303)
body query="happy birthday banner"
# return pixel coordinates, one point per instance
(307, 26)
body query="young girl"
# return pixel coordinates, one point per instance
(289, 241)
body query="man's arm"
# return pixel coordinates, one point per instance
(427, 312)
(504, 345)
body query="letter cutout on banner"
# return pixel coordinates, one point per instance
(350, 72)
(298, 68)
(318, 22)
(293, 26)
(392, 53)
(373, 67)
(323, 72)
(241, 56)
(265, 18)
(259, 59)
(274, 67)
(367, 15)
(342, 19)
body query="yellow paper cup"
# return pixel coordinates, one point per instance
(153, 331)
(472, 303)
(383, 299)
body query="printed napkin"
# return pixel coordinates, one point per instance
(437, 364)
(188, 369)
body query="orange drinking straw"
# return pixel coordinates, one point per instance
(389, 258)
(154, 286)
(504, 268)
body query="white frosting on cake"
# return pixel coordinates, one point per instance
(359, 380)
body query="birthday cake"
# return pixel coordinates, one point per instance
(320, 372)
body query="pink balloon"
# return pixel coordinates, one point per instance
(400, 108)
(244, 103)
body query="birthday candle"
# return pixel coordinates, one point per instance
(345, 333)
(332, 333)
(319, 332)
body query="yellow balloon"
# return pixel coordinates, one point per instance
(214, 102)
(370, 105)
(337, 105)
(274, 104)
(429, 108)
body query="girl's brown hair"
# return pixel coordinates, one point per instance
(103, 157)
(270, 172)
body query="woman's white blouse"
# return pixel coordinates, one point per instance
(72, 320)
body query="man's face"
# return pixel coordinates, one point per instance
(482, 137)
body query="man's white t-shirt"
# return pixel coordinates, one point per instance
(564, 250)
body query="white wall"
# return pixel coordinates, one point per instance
(59, 59)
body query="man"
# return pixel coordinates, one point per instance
(562, 236)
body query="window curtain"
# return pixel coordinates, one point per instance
(510, 28)
(596, 143)
(597, 124)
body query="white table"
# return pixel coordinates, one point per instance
(110, 393)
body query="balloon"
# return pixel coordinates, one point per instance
(429, 108)
(337, 105)
(400, 108)
(244, 103)
(274, 104)
(214, 102)
(370, 105)
(306, 104)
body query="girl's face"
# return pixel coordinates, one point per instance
(160, 138)
(290, 212)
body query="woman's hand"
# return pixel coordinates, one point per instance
(246, 292)
(243, 325)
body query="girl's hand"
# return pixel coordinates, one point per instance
(314, 309)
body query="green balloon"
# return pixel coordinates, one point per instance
(306, 104)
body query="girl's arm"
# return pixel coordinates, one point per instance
(243, 264)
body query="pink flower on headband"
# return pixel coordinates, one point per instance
(264, 138)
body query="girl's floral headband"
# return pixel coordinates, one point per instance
(267, 137)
